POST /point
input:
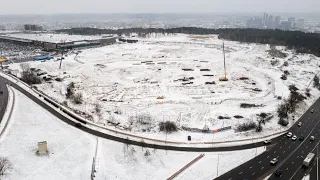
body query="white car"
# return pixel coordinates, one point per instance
(312, 110)
(274, 161)
(289, 134)
(299, 124)
(294, 138)
(311, 138)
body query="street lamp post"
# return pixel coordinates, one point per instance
(218, 167)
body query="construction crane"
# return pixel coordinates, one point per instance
(224, 63)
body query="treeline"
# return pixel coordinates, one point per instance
(300, 41)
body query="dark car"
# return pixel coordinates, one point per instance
(278, 173)
(301, 138)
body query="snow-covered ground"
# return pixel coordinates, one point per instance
(70, 150)
(121, 161)
(139, 85)
(53, 38)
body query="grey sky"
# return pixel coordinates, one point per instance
(155, 6)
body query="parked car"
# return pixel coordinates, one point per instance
(311, 138)
(299, 124)
(278, 173)
(294, 138)
(312, 110)
(274, 161)
(289, 134)
(267, 141)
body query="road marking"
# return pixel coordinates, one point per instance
(240, 173)
(262, 167)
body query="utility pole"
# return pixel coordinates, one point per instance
(64, 43)
(317, 162)
(218, 167)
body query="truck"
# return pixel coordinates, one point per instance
(43, 58)
(308, 160)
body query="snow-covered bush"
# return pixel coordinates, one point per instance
(5, 166)
(77, 98)
(246, 126)
(168, 126)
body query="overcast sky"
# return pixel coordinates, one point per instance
(155, 6)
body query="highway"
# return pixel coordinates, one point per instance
(3, 98)
(315, 171)
(290, 153)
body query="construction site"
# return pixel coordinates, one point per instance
(200, 84)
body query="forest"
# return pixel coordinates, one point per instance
(300, 41)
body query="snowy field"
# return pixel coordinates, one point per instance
(30, 124)
(53, 38)
(139, 85)
(124, 162)
(71, 152)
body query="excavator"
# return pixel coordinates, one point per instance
(224, 62)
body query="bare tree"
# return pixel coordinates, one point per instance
(5, 165)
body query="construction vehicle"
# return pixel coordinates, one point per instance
(308, 160)
(224, 63)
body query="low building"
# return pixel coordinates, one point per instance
(42, 147)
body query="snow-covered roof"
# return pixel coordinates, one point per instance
(52, 38)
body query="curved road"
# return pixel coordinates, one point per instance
(3, 99)
(123, 140)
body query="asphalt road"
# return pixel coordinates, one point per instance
(290, 153)
(315, 171)
(129, 141)
(3, 98)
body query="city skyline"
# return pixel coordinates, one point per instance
(164, 6)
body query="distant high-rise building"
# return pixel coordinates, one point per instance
(32, 27)
(270, 22)
(277, 22)
(291, 20)
(265, 19)
(285, 25)
(255, 22)
(300, 24)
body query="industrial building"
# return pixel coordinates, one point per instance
(49, 45)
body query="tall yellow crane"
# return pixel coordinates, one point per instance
(224, 64)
